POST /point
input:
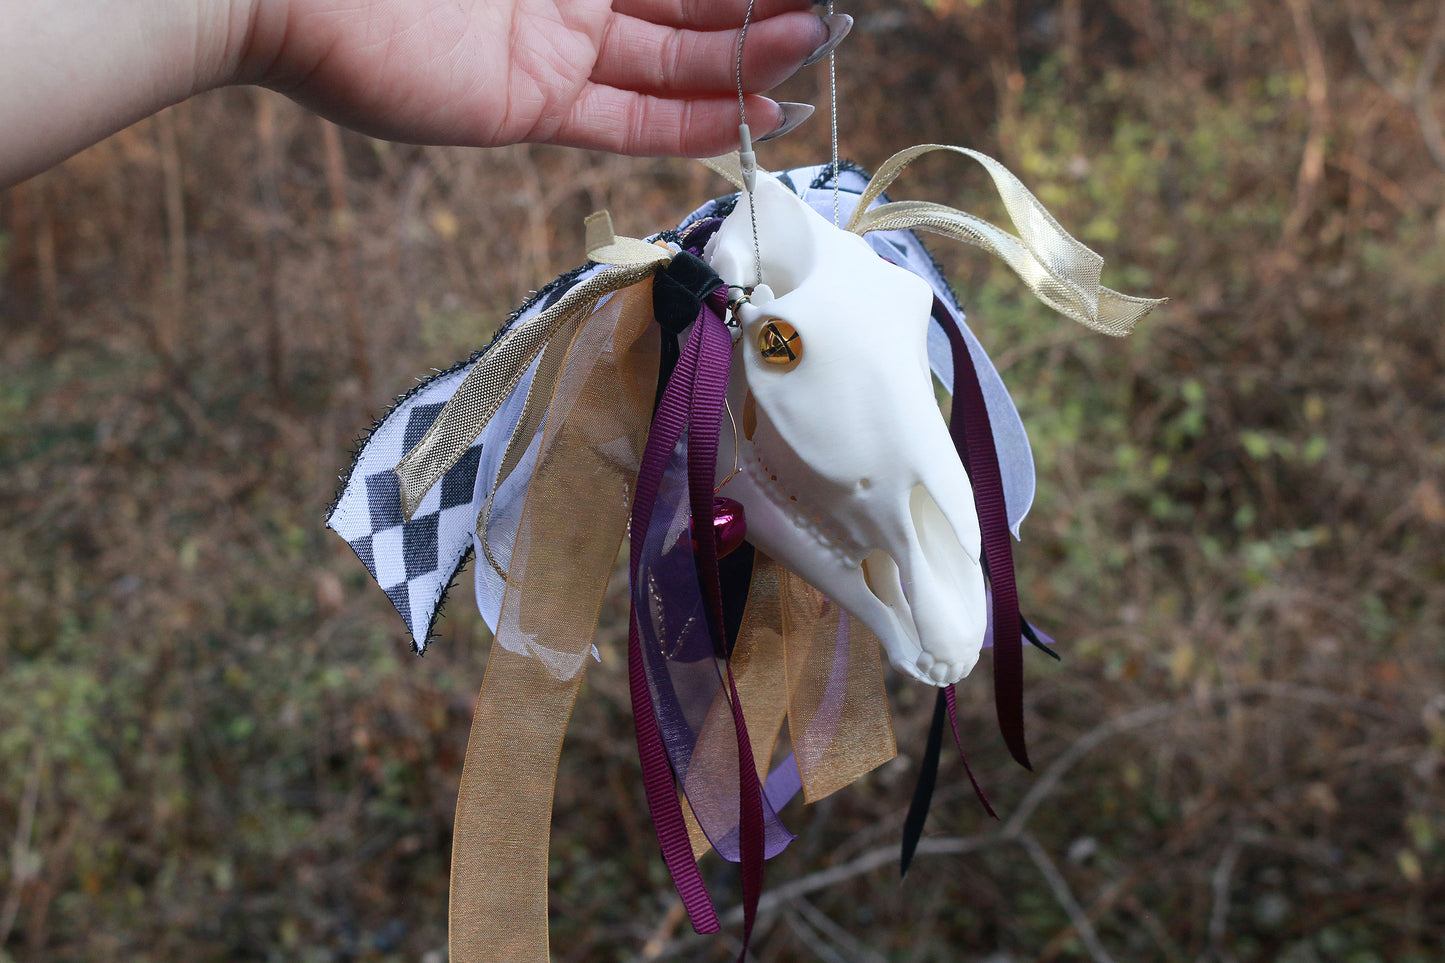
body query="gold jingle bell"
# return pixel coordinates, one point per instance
(779, 342)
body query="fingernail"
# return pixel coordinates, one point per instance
(793, 115)
(838, 25)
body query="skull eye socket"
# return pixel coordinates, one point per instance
(779, 343)
(750, 417)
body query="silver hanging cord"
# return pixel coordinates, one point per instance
(833, 117)
(748, 160)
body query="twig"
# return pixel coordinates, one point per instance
(1065, 897)
(169, 326)
(1415, 95)
(819, 943)
(1312, 163)
(658, 941)
(1014, 831)
(853, 951)
(1091, 740)
(23, 862)
(1219, 913)
(1371, 176)
(45, 266)
(1430, 128)
(775, 900)
(867, 863)
(272, 217)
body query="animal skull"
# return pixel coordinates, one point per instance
(848, 475)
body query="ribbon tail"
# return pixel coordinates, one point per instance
(555, 587)
(498, 899)
(534, 412)
(952, 700)
(1060, 270)
(757, 664)
(923, 790)
(838, 716)
(709, 390)
(657, 775)
(973, 437)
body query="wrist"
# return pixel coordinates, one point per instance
(258, 48)
(228, 34)
(79, 70)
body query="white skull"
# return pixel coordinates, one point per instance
(848, 475)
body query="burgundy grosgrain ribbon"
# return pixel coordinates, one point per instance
(662, 800)
(709, 395)
(692, 401)
(952, 701)
(973, 437)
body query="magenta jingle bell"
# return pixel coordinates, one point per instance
(729, 525)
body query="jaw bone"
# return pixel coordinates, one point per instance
(848, 475)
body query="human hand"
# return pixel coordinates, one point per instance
(632, 76)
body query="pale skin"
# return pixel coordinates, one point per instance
(649, 77)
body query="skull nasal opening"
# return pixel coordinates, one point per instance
(884, 579)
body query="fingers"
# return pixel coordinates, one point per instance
(705, 14)
(642, 56)
(605, 118)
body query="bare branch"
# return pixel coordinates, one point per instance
(852, 950)
(1065, 897)
(816, 941)
(1138, 719)
(1219, 913)
(24, 863)
(1417, 95)
(780, 899)
(1420, 93)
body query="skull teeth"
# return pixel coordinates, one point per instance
(833, 538)
(938, 673)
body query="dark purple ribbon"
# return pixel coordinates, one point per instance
(709, 396)
(662, 801)
(952, 700)
(973, 437)
(693, 400)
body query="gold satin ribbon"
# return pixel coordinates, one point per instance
(492, 378)
(494, 375)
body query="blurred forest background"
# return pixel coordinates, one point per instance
(215, 743)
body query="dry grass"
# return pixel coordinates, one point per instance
(216, 746)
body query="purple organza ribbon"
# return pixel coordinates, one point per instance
(675, 634)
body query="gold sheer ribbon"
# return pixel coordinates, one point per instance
(1059, 270)
(573, 521)
(792, 662)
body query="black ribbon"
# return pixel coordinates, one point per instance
(735, 573)
(923, 791)
(678, 293)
